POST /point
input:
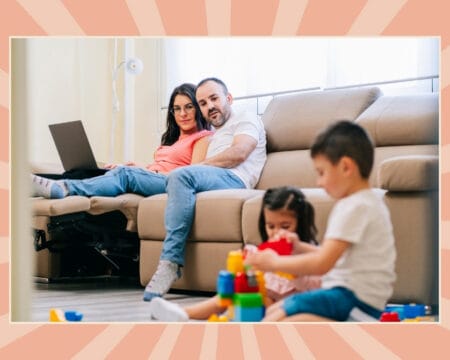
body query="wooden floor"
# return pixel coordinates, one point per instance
(100, 301)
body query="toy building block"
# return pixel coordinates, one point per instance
(71, 315)
(261, 283)
(412, 311)
(241, 292)
(225, 288)
(407, 311)
(389, 317)
(281, 247)
(235, 262)
(56, 315)
(248, 307)
(225, 284)
(245, 283)
(217, 318)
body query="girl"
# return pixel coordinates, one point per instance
(184, 142)
(285, 213)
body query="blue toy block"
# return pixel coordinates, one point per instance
(411, 311)
(225, 283)
(73, 315)
(253, 314)
(407, 311)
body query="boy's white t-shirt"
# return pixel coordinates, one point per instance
(367, 267)
(249, 170)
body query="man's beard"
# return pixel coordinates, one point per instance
(219, 119)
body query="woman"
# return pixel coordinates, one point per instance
(184, 142)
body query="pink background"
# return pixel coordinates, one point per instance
(224, 17)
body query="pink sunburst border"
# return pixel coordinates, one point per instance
(229, 18)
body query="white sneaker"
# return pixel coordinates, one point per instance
(163, 310)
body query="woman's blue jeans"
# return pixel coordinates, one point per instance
(123, 179)
(182, 186)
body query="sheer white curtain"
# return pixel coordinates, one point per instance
(254, 65)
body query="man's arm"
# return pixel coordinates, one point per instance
(238, 152)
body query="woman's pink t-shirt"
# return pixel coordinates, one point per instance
(169, 157)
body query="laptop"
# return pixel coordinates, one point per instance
(73, 147)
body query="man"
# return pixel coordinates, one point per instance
(235, 158)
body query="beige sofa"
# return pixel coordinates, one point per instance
(405, 131)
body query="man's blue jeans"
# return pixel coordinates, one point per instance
(182, 186)
(123, 179)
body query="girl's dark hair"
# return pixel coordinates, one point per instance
(293, 199)
(172, 132)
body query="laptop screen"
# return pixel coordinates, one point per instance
(73, 145)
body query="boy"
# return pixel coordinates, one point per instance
(357, 256)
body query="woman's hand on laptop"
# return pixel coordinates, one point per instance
(128, 163)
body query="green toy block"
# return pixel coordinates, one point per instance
(248, 299)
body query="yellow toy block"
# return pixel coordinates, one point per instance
(235, 262)
(215, 318)
(56, 315)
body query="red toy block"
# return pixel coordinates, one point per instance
(389, 317)
(242, 285)
(281, 247)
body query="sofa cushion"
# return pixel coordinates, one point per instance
(288, 167)
(55, 207)
(217, 215)
(415, 218)
(293, 121)
(384, 153)
(403, 120)
(409, 173)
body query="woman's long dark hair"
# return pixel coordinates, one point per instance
(293, 199)
(173, 131)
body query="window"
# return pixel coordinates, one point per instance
(254, 65)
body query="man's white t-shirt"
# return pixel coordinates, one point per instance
(249, 170)
(367, 267)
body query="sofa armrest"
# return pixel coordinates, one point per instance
(46, 168)
(409, 173)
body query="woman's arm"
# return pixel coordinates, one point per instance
(200, 149)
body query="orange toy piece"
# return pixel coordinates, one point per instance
(225, 302)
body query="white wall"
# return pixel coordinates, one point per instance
(71, 78)
(150, 96)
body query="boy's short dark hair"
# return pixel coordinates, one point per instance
(345, 138)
